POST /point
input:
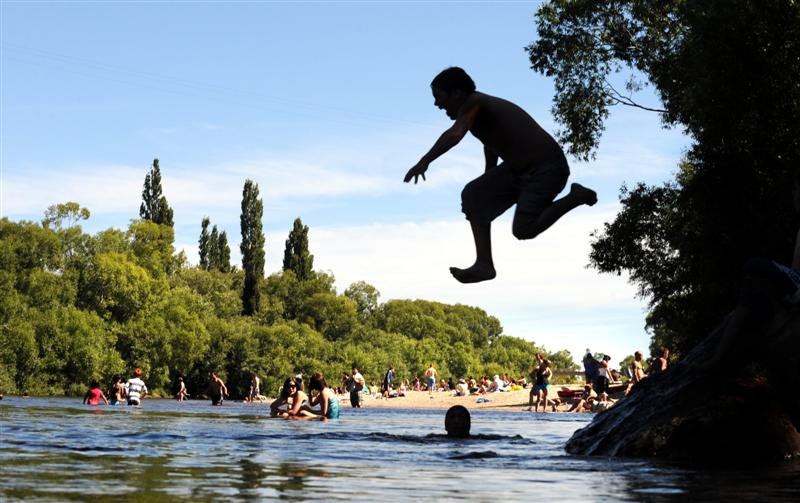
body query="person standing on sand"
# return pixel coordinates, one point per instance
(542, 384)
(387, 382)
(357, 384)
(603, 377)
(533, 172)
(431, 375)
(217, 389)
(135, 388)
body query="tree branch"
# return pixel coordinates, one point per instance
(620, 99)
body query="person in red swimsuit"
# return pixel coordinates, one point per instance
(94, 394)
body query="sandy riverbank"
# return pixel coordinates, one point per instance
(509, 400)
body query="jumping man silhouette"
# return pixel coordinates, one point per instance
(533, 172)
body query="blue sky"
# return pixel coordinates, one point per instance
(325, 105)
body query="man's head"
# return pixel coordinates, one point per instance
(454, 79)
(457, 422)
(450, 89)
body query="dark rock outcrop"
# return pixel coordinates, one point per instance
(747, 413)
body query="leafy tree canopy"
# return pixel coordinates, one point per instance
(725, 71)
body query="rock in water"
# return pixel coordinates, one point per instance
(747, 413)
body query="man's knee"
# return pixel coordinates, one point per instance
(525, 229)
(468, 198)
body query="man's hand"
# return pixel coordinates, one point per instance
(418, 170)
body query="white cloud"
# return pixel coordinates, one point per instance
(543, 290)
(102, 189)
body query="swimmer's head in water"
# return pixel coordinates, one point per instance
(457, 422)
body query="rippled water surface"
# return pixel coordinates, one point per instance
(58, 450)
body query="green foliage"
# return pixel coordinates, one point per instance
(366, 298)
(218, 289)
(296, 256)
(115, 305)
(151, 244)
(214, 250)
(64, 215)
(725, 71)
(223, 259)
(115, 287)
(252, 246)
(332, 315)
(154, 205)
(203, 243)
(287, 294)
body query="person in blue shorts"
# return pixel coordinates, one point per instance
(431, 375)
(538, 393)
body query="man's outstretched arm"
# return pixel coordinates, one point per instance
(446, 141)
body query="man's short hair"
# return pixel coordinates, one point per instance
(454, 78)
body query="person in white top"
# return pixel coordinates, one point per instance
(357, 383)
(135, 388)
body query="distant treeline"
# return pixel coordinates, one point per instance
(76, 307)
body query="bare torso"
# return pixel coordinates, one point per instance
(510, 132)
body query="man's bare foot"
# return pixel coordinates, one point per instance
(586, 195)
(474, 274)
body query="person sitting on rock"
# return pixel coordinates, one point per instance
(769, 287)
(638, 371)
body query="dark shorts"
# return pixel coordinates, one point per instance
(539, 387)
(532, 189)
(601, 385)
(216, 399)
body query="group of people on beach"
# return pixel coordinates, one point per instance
(294, 402)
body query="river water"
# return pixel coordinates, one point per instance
(54, 449)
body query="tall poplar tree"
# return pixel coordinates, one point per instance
(252, 246)
(154, 205)
(224, 252)
(296, 256)
(203, 243)
(213, 249)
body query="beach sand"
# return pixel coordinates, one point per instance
(507, 400)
